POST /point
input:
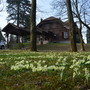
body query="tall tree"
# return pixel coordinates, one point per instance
(80, 11)
(33, 26)
(19, 12)
(80, 24)
(72, 27)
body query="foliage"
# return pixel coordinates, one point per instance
(44, 70)
(19, 9)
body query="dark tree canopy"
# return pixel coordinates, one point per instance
(19, 10)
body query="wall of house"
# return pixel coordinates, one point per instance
(62, 34)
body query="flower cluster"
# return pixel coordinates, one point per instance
(76, 63)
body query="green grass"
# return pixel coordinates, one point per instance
(25, 70)
(50, 47)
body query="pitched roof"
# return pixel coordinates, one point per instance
(13, 29)
(20, 31)
(51, 18)
(49, 21)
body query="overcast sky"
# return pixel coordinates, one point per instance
(46, 8)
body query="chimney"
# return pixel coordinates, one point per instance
(41, 19)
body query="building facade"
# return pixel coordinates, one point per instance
(53, 30)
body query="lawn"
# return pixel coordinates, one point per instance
(55, 47)
(25, 70)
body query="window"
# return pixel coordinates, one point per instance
(65, 35)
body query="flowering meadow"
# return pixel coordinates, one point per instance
(25, 70)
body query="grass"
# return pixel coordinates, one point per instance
(61, 47)
(51, 47)
(25, 70)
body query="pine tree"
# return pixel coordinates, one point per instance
(19, 12)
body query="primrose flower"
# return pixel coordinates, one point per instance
(61, 68)
(74, 61)
(45, 66)
(56, 63)
(27, 62)
(35, 62)
(39, 68)
(43, 61)
(39, 61)
(1, 59)
(51, 67)
(2, 62)
(88, 57)
(27, 66)
(88, 62)
(34, 69)
(58, 60)
(31, 65)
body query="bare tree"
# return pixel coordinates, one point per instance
(80, 9)
(80, 24)
(82, 12)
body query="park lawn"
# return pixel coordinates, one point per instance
(25, 70)
(59, 47)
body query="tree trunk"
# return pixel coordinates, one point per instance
(7, 35)
(81, 38)
(80, 29)
(71, 27)
(18, 22)
(33, 35)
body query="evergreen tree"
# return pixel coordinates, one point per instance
(19, 12)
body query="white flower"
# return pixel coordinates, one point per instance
(27, 66)
(61, 68)
(56, 63)
(43, 61)
(88, 62)
(34, 69)
(31, 65)
(88, 57)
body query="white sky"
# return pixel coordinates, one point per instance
(46, 9)
(41, 4)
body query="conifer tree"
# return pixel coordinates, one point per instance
(19, 12)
